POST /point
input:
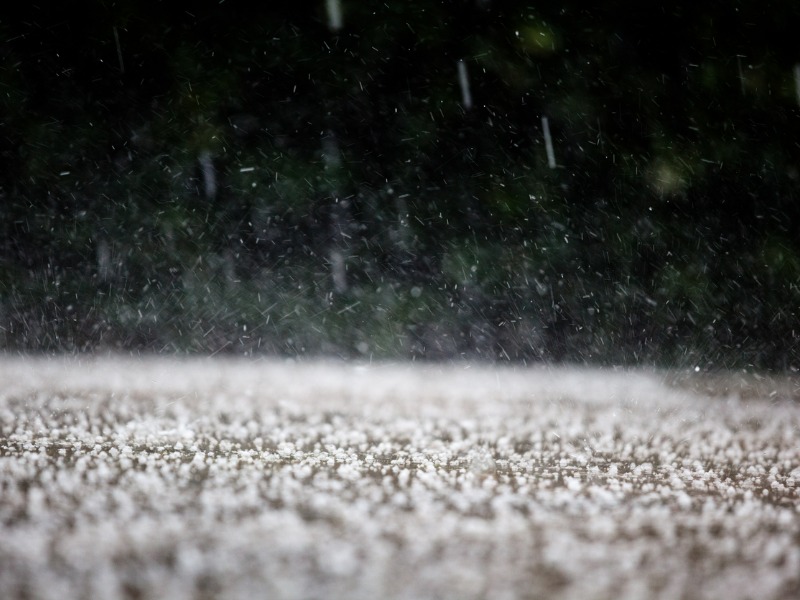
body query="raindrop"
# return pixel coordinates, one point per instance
(463, 80)
(548, 143)
(334, 8)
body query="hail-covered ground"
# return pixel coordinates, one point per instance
(181, 479)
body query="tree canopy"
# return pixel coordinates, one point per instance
(482, 179)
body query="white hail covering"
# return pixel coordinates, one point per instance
(165, 478)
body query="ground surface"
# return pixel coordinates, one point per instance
(214, 478)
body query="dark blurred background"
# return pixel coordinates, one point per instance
(485, 179)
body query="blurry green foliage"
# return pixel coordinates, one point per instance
(220, 178)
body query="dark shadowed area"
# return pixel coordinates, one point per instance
(496, 180)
